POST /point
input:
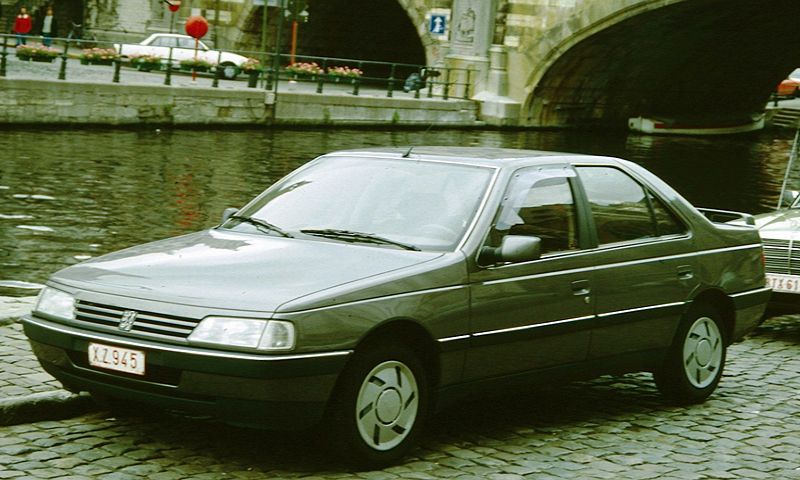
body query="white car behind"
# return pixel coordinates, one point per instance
(183, 48)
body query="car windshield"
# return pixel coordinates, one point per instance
(391, 203)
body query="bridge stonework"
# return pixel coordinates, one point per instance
(567, 63)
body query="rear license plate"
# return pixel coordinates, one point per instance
(116, 358)
(783, 283)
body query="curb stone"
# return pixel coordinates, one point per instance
(55, 404)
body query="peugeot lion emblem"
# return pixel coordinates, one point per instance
(126, 322)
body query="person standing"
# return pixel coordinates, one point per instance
(22, 25)
(48, 27)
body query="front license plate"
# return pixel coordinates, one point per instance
(783, 283)
(116, 358)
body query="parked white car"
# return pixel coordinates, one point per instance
(183, 48)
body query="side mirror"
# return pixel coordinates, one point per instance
(227, 213)
(520, 248)
(514, 248)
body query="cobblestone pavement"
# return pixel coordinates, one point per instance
(612, 427)
(20, 373)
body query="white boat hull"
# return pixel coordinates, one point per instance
(654, 126)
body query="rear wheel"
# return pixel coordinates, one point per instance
(379, 406)
(229, 71)
(694, 364)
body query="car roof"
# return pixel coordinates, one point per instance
(484, 156)
(170, 35)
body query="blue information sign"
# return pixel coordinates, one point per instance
(438, 24)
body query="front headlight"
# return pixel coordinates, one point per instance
(56, 303)
(269, 335)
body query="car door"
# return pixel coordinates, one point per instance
(186, 49)
(644, 264)
(160, 47)
(535, 314)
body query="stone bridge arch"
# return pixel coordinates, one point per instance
(379, 30)
(613, 59)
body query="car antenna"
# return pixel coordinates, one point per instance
(792, 158)
(406, 155)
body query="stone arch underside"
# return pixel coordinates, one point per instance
(375, 30)
(718, 60)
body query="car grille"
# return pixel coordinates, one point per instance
(146, 323)
(782, 256)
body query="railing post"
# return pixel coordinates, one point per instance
(321, 76)
(3, 55)
(422, 76)
(217, 71)
(117, 66)
(431, 82)
(468, 84)
(168, 76)
(390, 91)
(446, 93)
(62, 72)
(268, 74)
(357, 80)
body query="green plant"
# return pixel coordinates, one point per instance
(145, 60)
(251, 65)
(98, 54)
(303, 68)
(197, 63)
(345, 71)
(36, 51)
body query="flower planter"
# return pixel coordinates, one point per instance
(342, 79)
(189, 68)
(37, 59)
(86, 61)
(252, 78)
(146, 67)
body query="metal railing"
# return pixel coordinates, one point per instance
(269, 73)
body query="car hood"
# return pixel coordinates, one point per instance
(781, 225)
(234, 271)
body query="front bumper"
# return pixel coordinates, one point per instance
(270, 391)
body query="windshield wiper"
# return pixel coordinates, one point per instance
(348, 235)
(262, 224)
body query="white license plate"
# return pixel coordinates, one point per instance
(116, 358)
(783, 283)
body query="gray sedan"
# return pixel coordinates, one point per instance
(371, 287)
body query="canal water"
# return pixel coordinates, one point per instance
(66, 196)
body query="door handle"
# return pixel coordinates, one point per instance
(685, 272)
(581, 287)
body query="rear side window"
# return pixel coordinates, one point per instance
(622, 209)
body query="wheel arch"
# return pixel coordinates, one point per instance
(410, 334)
(724, 305)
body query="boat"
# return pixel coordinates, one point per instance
(673, 127)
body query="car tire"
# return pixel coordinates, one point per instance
(695, 361)
(379, 406)
(229, 71)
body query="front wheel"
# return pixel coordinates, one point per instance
(694, 364)
(379, 406)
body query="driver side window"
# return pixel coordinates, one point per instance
(541, 205)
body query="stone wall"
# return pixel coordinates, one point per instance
(54, 102)
(63, 102)
(313, 109)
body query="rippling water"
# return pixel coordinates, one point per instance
(66, 196)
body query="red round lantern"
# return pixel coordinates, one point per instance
(173, 5)
(196, 26)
